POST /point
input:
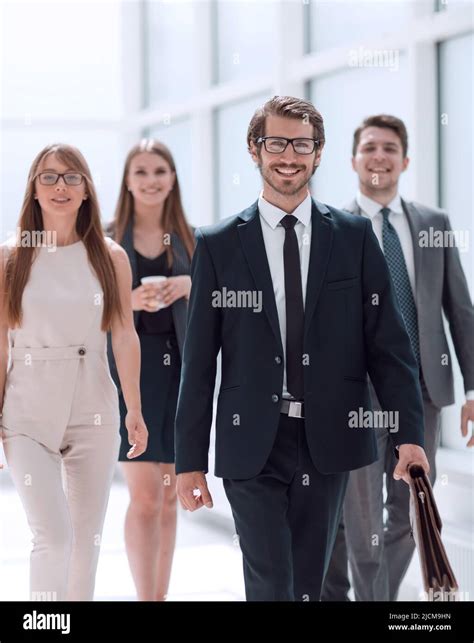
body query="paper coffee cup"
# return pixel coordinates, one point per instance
(154, 279)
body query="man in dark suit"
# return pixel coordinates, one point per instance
(429, 280)
(298, 298)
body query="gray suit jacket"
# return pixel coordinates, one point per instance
(440, 287)
(181, 266)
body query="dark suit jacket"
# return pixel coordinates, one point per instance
(346, 336)
(181, 266)
(440, 287)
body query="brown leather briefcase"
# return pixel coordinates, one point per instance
(438, 578)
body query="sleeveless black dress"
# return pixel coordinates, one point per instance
(159, 375)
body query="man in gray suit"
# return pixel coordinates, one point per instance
(423, 260)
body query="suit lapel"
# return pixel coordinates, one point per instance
(127, 245)
(352, 207)
(321, 243)
(416, 224)
(253, 245)
(181, 262)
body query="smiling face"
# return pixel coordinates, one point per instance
(59, 199)
(379, 161)
(150, 179)
(286, 174)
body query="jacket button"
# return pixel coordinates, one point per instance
(275, 398)
(169, 343)
(278, 359)
(82, 351)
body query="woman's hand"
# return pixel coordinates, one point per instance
(145, 297)
(174, 288)
(137, 433)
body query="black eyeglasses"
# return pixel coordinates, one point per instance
(278, 144)
(51, 178)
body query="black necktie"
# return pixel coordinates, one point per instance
(294, 309)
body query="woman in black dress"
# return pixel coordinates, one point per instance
(151, 226)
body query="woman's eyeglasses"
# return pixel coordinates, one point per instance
(51, 178)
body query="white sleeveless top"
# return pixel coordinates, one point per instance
(58, 373)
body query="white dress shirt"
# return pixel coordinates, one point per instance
(397, 217)
(274, 238)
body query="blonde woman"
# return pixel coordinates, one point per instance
(59, 403)
(151, 226)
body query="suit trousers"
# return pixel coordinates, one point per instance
(379, 551)
(65, 509)
(286, 518)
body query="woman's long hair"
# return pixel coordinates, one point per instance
(173, 219)
(88, 228)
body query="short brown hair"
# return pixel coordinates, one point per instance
(388, 122)
(290, 107)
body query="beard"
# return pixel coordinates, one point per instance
(287, 187)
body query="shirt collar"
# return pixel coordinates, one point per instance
(273, 215)
(371, 208)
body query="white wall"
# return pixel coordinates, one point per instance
(61, 81)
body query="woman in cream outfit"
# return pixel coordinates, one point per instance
(59, 402)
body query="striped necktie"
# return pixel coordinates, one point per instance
(398, 270)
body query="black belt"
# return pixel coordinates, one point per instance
(292, 408)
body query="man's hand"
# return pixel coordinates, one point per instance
(410, 454)
(187, 484)
(467, 415)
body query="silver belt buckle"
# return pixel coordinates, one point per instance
(295, 410)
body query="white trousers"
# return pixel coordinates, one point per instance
(65, 508)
